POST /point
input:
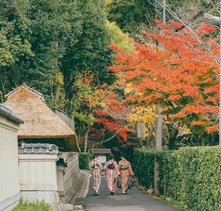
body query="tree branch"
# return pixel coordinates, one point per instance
(109, 139)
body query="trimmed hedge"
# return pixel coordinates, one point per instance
(190, 177)
(84, 159)
(144, 167)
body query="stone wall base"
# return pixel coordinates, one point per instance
(50, 197)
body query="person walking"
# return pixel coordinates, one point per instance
(125, 173)
(96, 167)
(112, 172)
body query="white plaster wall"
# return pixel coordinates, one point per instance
(9, 174)
(38, 178)
(38, 172)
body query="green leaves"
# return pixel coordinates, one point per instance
(6, 57)
(84, 159)
(191, 177)
(131, 15)
(144, 167)
(35, 206)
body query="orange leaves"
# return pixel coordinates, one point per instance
(116, 48)
(180, 72)
(212, 89)
(198, 123)
(174, 97)
(205, 29)
(212, 128)
(196, 109)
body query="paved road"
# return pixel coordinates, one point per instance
(136, 200)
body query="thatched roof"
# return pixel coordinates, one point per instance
(39, 120)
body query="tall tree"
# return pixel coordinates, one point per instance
(181, 75)
(96, 108)
(37, 32)
(91, 52)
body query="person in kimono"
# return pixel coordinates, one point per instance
(112, 172)
(96, 167)
(125, 173)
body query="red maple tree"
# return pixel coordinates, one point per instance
(110, 122)
(181, 74)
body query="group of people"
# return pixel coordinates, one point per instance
(113, 170)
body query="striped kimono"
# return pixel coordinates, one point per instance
(125, 172)
(95, 167)
(112, 172)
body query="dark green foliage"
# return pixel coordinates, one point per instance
(144, 167)
(39, 39)
(131, 14)
(84, 160)
(91, 52)
(191, 177)
(37, 34)
(35, 206)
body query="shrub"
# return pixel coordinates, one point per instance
(144, 167)
(84, 159)
(35, 206)
(190, 176)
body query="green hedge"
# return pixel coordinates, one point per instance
(35, 206)
(191, 176)
(84, 159)
(144, 167)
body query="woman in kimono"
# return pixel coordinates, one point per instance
(96, 167)
(112, 172)
(125, 173)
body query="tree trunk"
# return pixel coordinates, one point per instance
(156, 177)
(172, 137)
(159, 128)
(1, 97)
(158, 147)
(86, 138)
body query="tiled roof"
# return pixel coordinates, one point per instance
(101, 151)
(8, 113)
(38, 149)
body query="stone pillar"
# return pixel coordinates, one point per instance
(60, 179)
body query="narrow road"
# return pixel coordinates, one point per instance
(136, 200)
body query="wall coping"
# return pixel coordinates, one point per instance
(8, 113)
(37, 157)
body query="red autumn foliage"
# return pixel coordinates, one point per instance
(111, 120)
(181, 74)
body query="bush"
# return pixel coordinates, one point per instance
(144, 167)
(35, 206)
(191, 176)
(84, 159)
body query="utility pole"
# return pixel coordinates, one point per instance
(159, 127)
(218, 19)
(164, 11)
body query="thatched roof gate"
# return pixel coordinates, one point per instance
(40, 122)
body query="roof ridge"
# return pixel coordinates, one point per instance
(25, 86)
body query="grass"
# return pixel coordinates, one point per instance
(35, 206)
